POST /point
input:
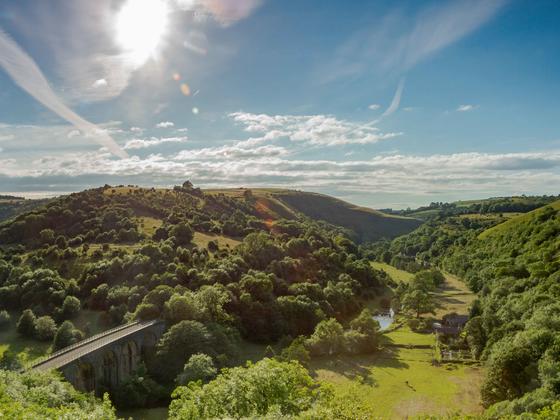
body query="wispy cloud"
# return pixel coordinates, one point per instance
(374, 107)
(466, 108)
(395, 103)
(165, 124)
(397, 42)
(151, 142)
(27, 75)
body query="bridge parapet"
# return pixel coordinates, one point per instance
(106, 359)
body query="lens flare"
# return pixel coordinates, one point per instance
(185, 89)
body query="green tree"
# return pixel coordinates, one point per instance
(26, 323)
(66, 335)
(418, 301)
(200, 367)
(70, 307)
(327, 339)
(46, 236)
(180, 342)
(248, 392)
(45, 328)
(296, 351)
(183, 234)
(182, 308)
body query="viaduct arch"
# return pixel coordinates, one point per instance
(103, 361)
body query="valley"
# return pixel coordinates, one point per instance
(249, 282)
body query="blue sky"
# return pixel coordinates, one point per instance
(382, 103)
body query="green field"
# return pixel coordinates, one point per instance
(201, 240)
(401, 381)
(149, 225)
(393, 272)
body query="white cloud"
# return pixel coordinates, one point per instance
(482, 174)
(182, 130)
(466, 108)
(136, 130)
(154, 141)
(73, 133)
(27, 75)
(374, 107)
(241, 150)
(7, 137)
(165, 124)
(99, 83)
(324, 130)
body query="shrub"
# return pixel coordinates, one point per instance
(45, 328)
(200, 367)
(66, 335)
(26, 323)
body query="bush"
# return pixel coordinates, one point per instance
(70, 307)
(200, 367)
(26, 323)
(266, 387)
(66, 335)
(34, 395)
(45, 328)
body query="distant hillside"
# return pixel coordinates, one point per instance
(11, 206)
(515, 222)
(363, 223)
(509, 206)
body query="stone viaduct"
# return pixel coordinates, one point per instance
(102, 361)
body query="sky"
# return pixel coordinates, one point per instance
(387, 104)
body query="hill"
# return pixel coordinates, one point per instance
(506, 206)
(11, 206)
(514, 267)
(364, 224)
(515, 222)
(223, 270)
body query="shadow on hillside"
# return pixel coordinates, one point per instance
(359, 367)
(449, 300)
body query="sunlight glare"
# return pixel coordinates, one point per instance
(141, 25)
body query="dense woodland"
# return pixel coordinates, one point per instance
(299, 284)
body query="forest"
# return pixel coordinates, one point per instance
(224, 277)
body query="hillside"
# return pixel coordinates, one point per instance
(11, 206)
(363, 223)
(224, 272)
(505, 206)
(513, 223)
(514, 267)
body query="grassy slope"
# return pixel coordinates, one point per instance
(514, 221)
(366, 224)
(380, 381)
(393, 272)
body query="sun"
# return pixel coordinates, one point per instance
(140, 27)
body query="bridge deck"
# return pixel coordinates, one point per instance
(81, 348)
